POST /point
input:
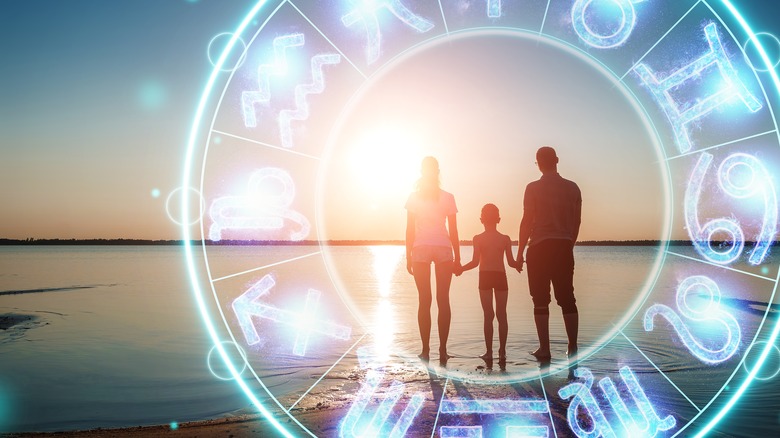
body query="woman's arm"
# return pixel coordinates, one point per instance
(409, 240)
(452, 226)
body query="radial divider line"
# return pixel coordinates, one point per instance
(326, 372)
(659, 40)
(661, 372)
(438, 410)
(444, 19)
(328, 39)
(544, 19)
(750, 137)
(265, 267)
(264, 144)
(549, 411)
(721, 266)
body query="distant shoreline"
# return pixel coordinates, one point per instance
(147, 242)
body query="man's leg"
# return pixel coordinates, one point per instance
(539, 287)
(563, 284)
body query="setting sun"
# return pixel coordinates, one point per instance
(384, 161)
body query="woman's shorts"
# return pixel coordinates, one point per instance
(427, 254)
(490, 280)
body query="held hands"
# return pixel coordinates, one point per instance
(519, 263)
(457, 269)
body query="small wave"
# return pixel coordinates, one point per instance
(52, 289)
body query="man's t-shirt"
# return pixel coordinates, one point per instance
(557, 203)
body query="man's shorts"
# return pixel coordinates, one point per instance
(427, 254)
(489, 280)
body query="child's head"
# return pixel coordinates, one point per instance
(490, 215)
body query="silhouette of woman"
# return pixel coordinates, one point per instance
(432, 237)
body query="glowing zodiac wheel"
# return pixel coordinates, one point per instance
(306, 125)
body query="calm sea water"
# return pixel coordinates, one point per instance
(115, 339)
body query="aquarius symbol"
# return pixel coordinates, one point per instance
(358, 423)
(596, 39)
(680, 115)
(305, 323)
(711, 311)
(494, 8)
(739, 176)
(301, 111)
(583, 399)
(261, 208)
(277, 67)
(367, 13)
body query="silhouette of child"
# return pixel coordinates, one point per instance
(490, 248)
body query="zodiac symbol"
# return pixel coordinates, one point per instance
(583, 399)
(596, 39)
(305, 323)
(680, 115)
(710, 312)
(494, 8)
(355, 425)
(493, 407)
(264, 72)
(301, 111)
(733, 181)
(259, 210)
(367, 13)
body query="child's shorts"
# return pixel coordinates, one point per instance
(489, 280)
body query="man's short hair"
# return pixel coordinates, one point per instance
(546, 156)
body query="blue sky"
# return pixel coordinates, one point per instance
(96, 102)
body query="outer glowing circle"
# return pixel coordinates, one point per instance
(754, 40)
(235, 373)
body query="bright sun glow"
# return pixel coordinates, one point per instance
(385, 161)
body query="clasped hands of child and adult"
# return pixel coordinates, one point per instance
(518, 265)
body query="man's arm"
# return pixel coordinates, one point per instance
(577, 217)
(526, 226)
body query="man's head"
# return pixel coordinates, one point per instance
(547, 159)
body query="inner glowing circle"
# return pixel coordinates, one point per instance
(482, 102)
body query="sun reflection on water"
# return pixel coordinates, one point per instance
(386, 261)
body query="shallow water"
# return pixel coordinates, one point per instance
(115, 338)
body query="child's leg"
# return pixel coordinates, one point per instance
(486, 298)
(503, 326)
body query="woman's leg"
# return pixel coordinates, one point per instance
(503, 326)
(443, 280)
(422, 278)
(486, 298)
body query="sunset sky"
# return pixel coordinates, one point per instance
(97, 98)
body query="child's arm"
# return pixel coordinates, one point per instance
(475, 258)
(510, 260)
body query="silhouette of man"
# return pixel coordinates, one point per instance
(552, 208)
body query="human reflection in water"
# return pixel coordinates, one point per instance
(552, 209)
(432, 237)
